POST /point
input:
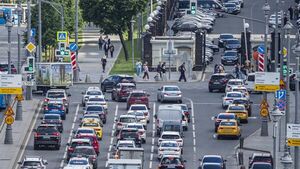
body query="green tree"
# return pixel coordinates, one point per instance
(112, 16)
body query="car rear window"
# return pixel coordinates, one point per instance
(235, 83)
(234, 95)
(239, 102)
(226, 117)
(168, 144)
(85, 151)
(172, 128)
(75, 144)
(211, 166)
(262, 166)
(127, 120)
(171, 89)
(94, 108)
(45, 129)
(227, 123)
(32, 163)
(135, 126)
(217, 77)
(138, 94)
(94, 93)
(84, 131)
(99, 99)
(129, 134)
(236, 108)
(56, 95)
(51, 117)
(54, 106)
(90, 125)
(138, 108)
(212, 160)
(226, 36)
(78, 162)
(233, 41)
(170, 136)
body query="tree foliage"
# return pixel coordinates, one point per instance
(112, 16)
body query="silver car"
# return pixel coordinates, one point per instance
(169, 93)
(229, 97)
(33, 162)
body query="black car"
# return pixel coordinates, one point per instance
(53, 119)
(47, 135)
(111, 81)
(223, 38)
(130, 134)
(213, 47)
(233, 44)
(86, 151)
(218, 81)
(230, 57)
(293, 82)
(231, 8)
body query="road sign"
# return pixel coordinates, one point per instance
(282, 84)
(30, 47)
(267, 81)
(281, 105)
(62, 36)
(32, 32)
(264, 112)
(73, 60)
(284, 52)
(9, 120)
(10, 84)
(73, 47)
(280, 94)
(9, 111)
(261, 49)
(293, 134)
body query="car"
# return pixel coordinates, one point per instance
(46, 135)
(223, 116)
(111, 81)
(88, 152)
(97, 109)
(250, 82)
(223, 38)
(229, 128)
(77, 142)
(170, 125)
(292, 84)
(141, 119)
(93, 124)
(138, 97)
(140, 128)
(130, 134)
(55, 107)
(80, 161)
(123, 121)
(82, 130)
(171, 161)
(233, 44)
(232, 83)
(246, 103)
(212, 46)
(239, 110)
(218, 81)
(260, 157)
(228, 98)
(33, 162)
(241, 89)
(121, 91)
(231, 8)
(171, 135)
(125, 143)
(140, 107)
(208, 159)
(169, 93)
(53, 119)
(93, 139)
(230, 57)
(58, 95)
(169, 147)
(238, 3)
(186, 110)
(261, 165)
(91, 115)
(91, 91)
(4, 68)
(97, 100)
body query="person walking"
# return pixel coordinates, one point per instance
(111, 49)
(296, 12)
(158, 69)
(100, 42)
(163, 70)
(237, 71)
(146, 71)
(182, 70)
(106, 49)
(103, 62)
(138, 67)
(291, 12)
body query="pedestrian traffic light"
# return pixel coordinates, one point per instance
(193, 8)
(30, 62)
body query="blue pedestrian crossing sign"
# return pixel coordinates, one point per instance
(280, 94)
(73, 47)
(62, 36)
(261, 49)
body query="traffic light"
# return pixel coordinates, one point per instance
(30, 63)
(193, 8)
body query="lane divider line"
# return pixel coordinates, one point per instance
(153, 136)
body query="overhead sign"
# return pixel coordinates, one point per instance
(293, 134)
(10, 84)
(267, 81)
(30, 47)
(73, 47)
(62, 36)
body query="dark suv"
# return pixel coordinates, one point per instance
(47, 135)
(111, 81)
(130, 134)
(218, 81)
(121, 91)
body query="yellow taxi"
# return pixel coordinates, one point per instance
(239, 110)
(94, 124)
(229, 128)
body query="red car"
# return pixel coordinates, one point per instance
(138, 97)
(121, 91)
(94, 140)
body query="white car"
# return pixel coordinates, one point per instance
(272, 19)
(169, 93)
(140, 128)
(233, 82)
(91, 91)
(140, 107)
(169, 147)
(241, 89)
(141, 118)
(97, 100)
(229, 97)
(79, 162)
(124, 120)
(125, 143)
(84, 131)
(170, 135)
(33, 162)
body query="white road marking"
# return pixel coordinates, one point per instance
(193, 127)
(153, 137)
(70, 136)
(203, 78)
(194, 134)
(112, 134)
(150, 164)
(194, 142)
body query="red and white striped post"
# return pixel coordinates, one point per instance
(73, 60)
(261, 62)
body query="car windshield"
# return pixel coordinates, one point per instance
(227, 123)
(128, 134)
(233, 42)
(94, 93)
(212, 160)
(236, 108)
(51, 117)
(231, 53)
(135, 126)
(171, 89)
(230, 5)
(90, 125)
(94, 108)
(78, 162)
(127, 120)
(32, 163)
(44, 129)
(138, 94)
(170, 136)
(234, 95)
(138, 108)
(226, 36)
(97, 99)
(235, 83)
(172, 128)
(84, 131)
(85, 151)
(170, 160)
(75, 144)
(262, 166)
(56, 95)
(226, 116)
(169, 144)
(54, 106)
(211, 166)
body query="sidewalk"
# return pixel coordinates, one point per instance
(10, 153)
(89, 56)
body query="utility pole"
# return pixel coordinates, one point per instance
(28, 88)
(276, 36)
(39, 58)
(19, 103)
(76, 72)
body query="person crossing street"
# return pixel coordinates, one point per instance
(182, 70)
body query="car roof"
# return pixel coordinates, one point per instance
(47, 125)
(80, 140)
(127, 115)
(261, 154)
(171, 155)
(168, 141)
(171, 122)
(229, 120)
(32, 158)
(233, 93)
(79, 158)
(235, 80)
(218, 74)
(127, 84)
(56, 90)
(57, 115)
(170, 86)
(134, 124)
(170, 133)
(208, 156)
(126, 141)
(138, 91)
(226, 114)
(122, 75)
(97, 96)
(83, 128)
(224, 34)
(55, 102)
(90, 147)
(238, 87)
(137, 105)
(241, 105)
(129, 129)
(93, 88)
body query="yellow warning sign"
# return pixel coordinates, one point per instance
(10, 90)
(9, 119)
(9, 111)
(19, 97)
(264, 112)
(293, 142)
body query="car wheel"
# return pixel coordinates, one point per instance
(103, 89)
(63, 117)
(57, 147)
(158, 99)
(210, 90)
(35, 147)
(67, 111)
(180, 101)
(218, 137)
(144, 141)
(104, 121)
(118, 99)
(112, 96)
(216, 129)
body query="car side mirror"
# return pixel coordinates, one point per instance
(106, 99)
(200, 159)
(189, 108)
(251, 102)
(225, 160)
(45, 162)
(116, 120)
(246, 83)
(69, 94)
(82, 92)
(213, 118)
(73, 132)
(68, 144)
(250, 158)
(41, 118)
(83, 108)
(222, 95)
(148, 95)
(159, 89)
(155, 116)
(19, 162)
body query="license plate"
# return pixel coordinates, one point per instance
(47, 137)
(229, 61)
(216, 82)
(138, 100)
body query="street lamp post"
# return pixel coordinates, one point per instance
(286, 160)
(246, 26)
(276, 36)
(132, 41)
(276, 115)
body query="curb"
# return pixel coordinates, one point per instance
(23, 146)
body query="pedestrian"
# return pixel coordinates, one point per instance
(146, 71)
(158, 69)
(296, 12)
(111, 49)
(216, 68)
(103, 62)
(221, 69)
(237, 70)
(100, 42)
(291, 12)
(108, 41)
(106, 49)
(285, 19)
(182, 70)
(138, 67)
(163, 70)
